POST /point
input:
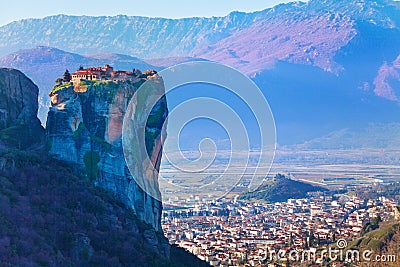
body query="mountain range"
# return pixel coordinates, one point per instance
(309, 33)
(324, 65)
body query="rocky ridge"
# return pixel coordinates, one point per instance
(84, 128)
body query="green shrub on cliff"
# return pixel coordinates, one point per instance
(78, 130)
(104, 145)
(57, 88)
(91, 160)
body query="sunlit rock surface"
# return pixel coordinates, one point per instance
(84, 127)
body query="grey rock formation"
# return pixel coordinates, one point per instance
(18, 98)
(84, 128)
(19, 126)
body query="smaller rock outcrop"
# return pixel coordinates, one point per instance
(19, 125)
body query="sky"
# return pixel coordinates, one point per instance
(21, 9)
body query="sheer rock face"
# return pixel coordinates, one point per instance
(84, 128)
(18, 98)
(19, 126)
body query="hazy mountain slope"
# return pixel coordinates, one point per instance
(387, 82)
(171, 61)
(303, 34)
(380, 12)
(372, 136)
(293, 36)
(308, 103)
(139, 36)
(307, 33)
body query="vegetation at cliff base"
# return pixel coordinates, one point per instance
(21, 136)
(50, 217)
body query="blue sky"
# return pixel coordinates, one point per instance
(19, 9)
